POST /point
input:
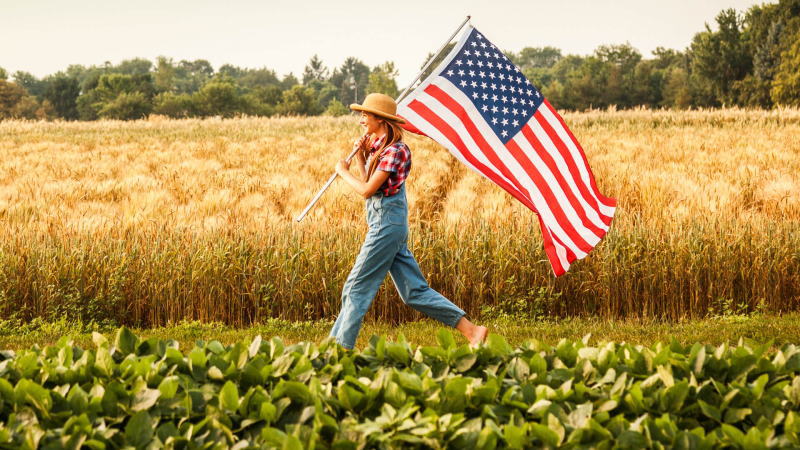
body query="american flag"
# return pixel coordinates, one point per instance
(480, 106)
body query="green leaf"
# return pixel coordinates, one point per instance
(139, 430)
(548, 437)
(125, 341)
(409, 381)
(295, 390)
(215, 347)
(145, 399)
(498, 345)
(734, 434)
(169, 386)
(735, 415)
(445, 338)
(35, 395)
(254, 347)
(229, 397)
(514, 436)
(710, 411)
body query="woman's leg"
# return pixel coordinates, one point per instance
(369, 271)
(416, 293)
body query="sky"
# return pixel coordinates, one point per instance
(43, 37)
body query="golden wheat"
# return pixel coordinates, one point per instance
(154, 221)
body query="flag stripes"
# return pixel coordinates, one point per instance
(540, 163)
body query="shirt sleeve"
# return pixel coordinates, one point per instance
(392, 159)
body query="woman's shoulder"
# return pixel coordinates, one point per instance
(398, 146)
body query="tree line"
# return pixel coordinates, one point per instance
(749, 59)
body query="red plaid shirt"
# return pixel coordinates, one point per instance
(395, 159)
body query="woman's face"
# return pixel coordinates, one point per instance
(371, 123)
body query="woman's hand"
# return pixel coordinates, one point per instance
(342, 166)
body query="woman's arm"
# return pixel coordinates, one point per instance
(365, 189)
(360, 144)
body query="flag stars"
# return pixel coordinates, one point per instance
(450, 73)
(494, 109)
(515, 112)
(483, 44)
(504, 99)
(463, 83)
(494, 99)
(514, 101)
(461, 73)
(469, 62)
(458, 62)
(492, 75)
(504, 133)
(529, 92)
(466, 52)
(502, 77)
(474, 44)
(483, 84)
(484, 108)
(504, 122)
(486, 54)
(482, 74)
(538, 95)
(505, 111)
(494, 86)
(474, 84)
(515, 123)
(503, 87)
(485, 97)
(472, 73)
(475, 95)
(480, 63)
(494, 120)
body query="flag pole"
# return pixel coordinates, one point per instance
(399, 97)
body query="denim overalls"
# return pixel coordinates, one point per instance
(385, 250)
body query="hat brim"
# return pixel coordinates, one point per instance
(357, 107)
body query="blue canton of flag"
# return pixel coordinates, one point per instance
(495, 85)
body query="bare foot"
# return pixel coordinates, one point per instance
(478, 336)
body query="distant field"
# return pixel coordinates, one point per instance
(150, 222)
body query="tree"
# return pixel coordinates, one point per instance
(299, 100)
(3, 74)
(218, 98)
(126, 106)
(382, 80)
(351, 79)
(15, 102)
(174, 105)
(164, 74)
(536, 57)
(315, 70)
(135, 66)
(721, 57)
(190, 76)
(336, 108)
(786, 87)
(62, 94)
(33, 85)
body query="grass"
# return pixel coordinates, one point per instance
(727, 329)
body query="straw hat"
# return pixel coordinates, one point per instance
(381, 105)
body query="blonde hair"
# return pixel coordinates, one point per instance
(394, 134)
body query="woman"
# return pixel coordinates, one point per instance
(382, 164)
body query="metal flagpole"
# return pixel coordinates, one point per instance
(399, 97)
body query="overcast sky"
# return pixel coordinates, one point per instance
(43, 37)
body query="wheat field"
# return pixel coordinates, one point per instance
(152, 222)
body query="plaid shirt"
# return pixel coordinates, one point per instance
(395, 159)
